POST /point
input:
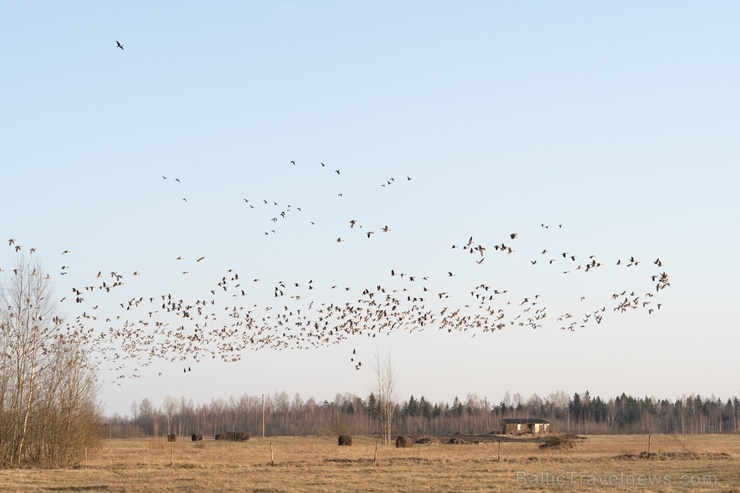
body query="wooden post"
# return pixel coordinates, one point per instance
(85, 457)
(263, 416)
(649, 437)
(375, 457)
(172, 453)
(272, 455)
(498, 457)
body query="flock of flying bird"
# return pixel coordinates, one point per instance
(230, 316)
(224, 321)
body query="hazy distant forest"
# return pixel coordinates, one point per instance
(350, 414)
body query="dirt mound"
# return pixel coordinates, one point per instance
(457, 441)
(691, 455)
(573, 437)
(558, 442)
(627, 457)
(427, 441)
(675, 456)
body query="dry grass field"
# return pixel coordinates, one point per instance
(316, 464)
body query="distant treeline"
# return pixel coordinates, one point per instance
(350, 414)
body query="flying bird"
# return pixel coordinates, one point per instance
(332, 322)
(119, 45)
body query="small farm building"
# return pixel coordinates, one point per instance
(525, 426)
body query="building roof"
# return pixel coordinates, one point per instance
(527, 421)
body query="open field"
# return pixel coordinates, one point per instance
(316, 464)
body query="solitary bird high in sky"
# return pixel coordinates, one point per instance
(119, 45)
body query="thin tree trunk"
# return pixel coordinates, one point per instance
(29, 402)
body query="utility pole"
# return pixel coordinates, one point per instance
(488, 415)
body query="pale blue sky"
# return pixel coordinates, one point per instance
(618, 121)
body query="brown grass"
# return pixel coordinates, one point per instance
(310, 464)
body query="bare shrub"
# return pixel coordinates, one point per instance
(339, 427)
(345, 440)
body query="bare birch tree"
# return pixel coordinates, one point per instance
(386, 396)
(46, 385)
(169, 407)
